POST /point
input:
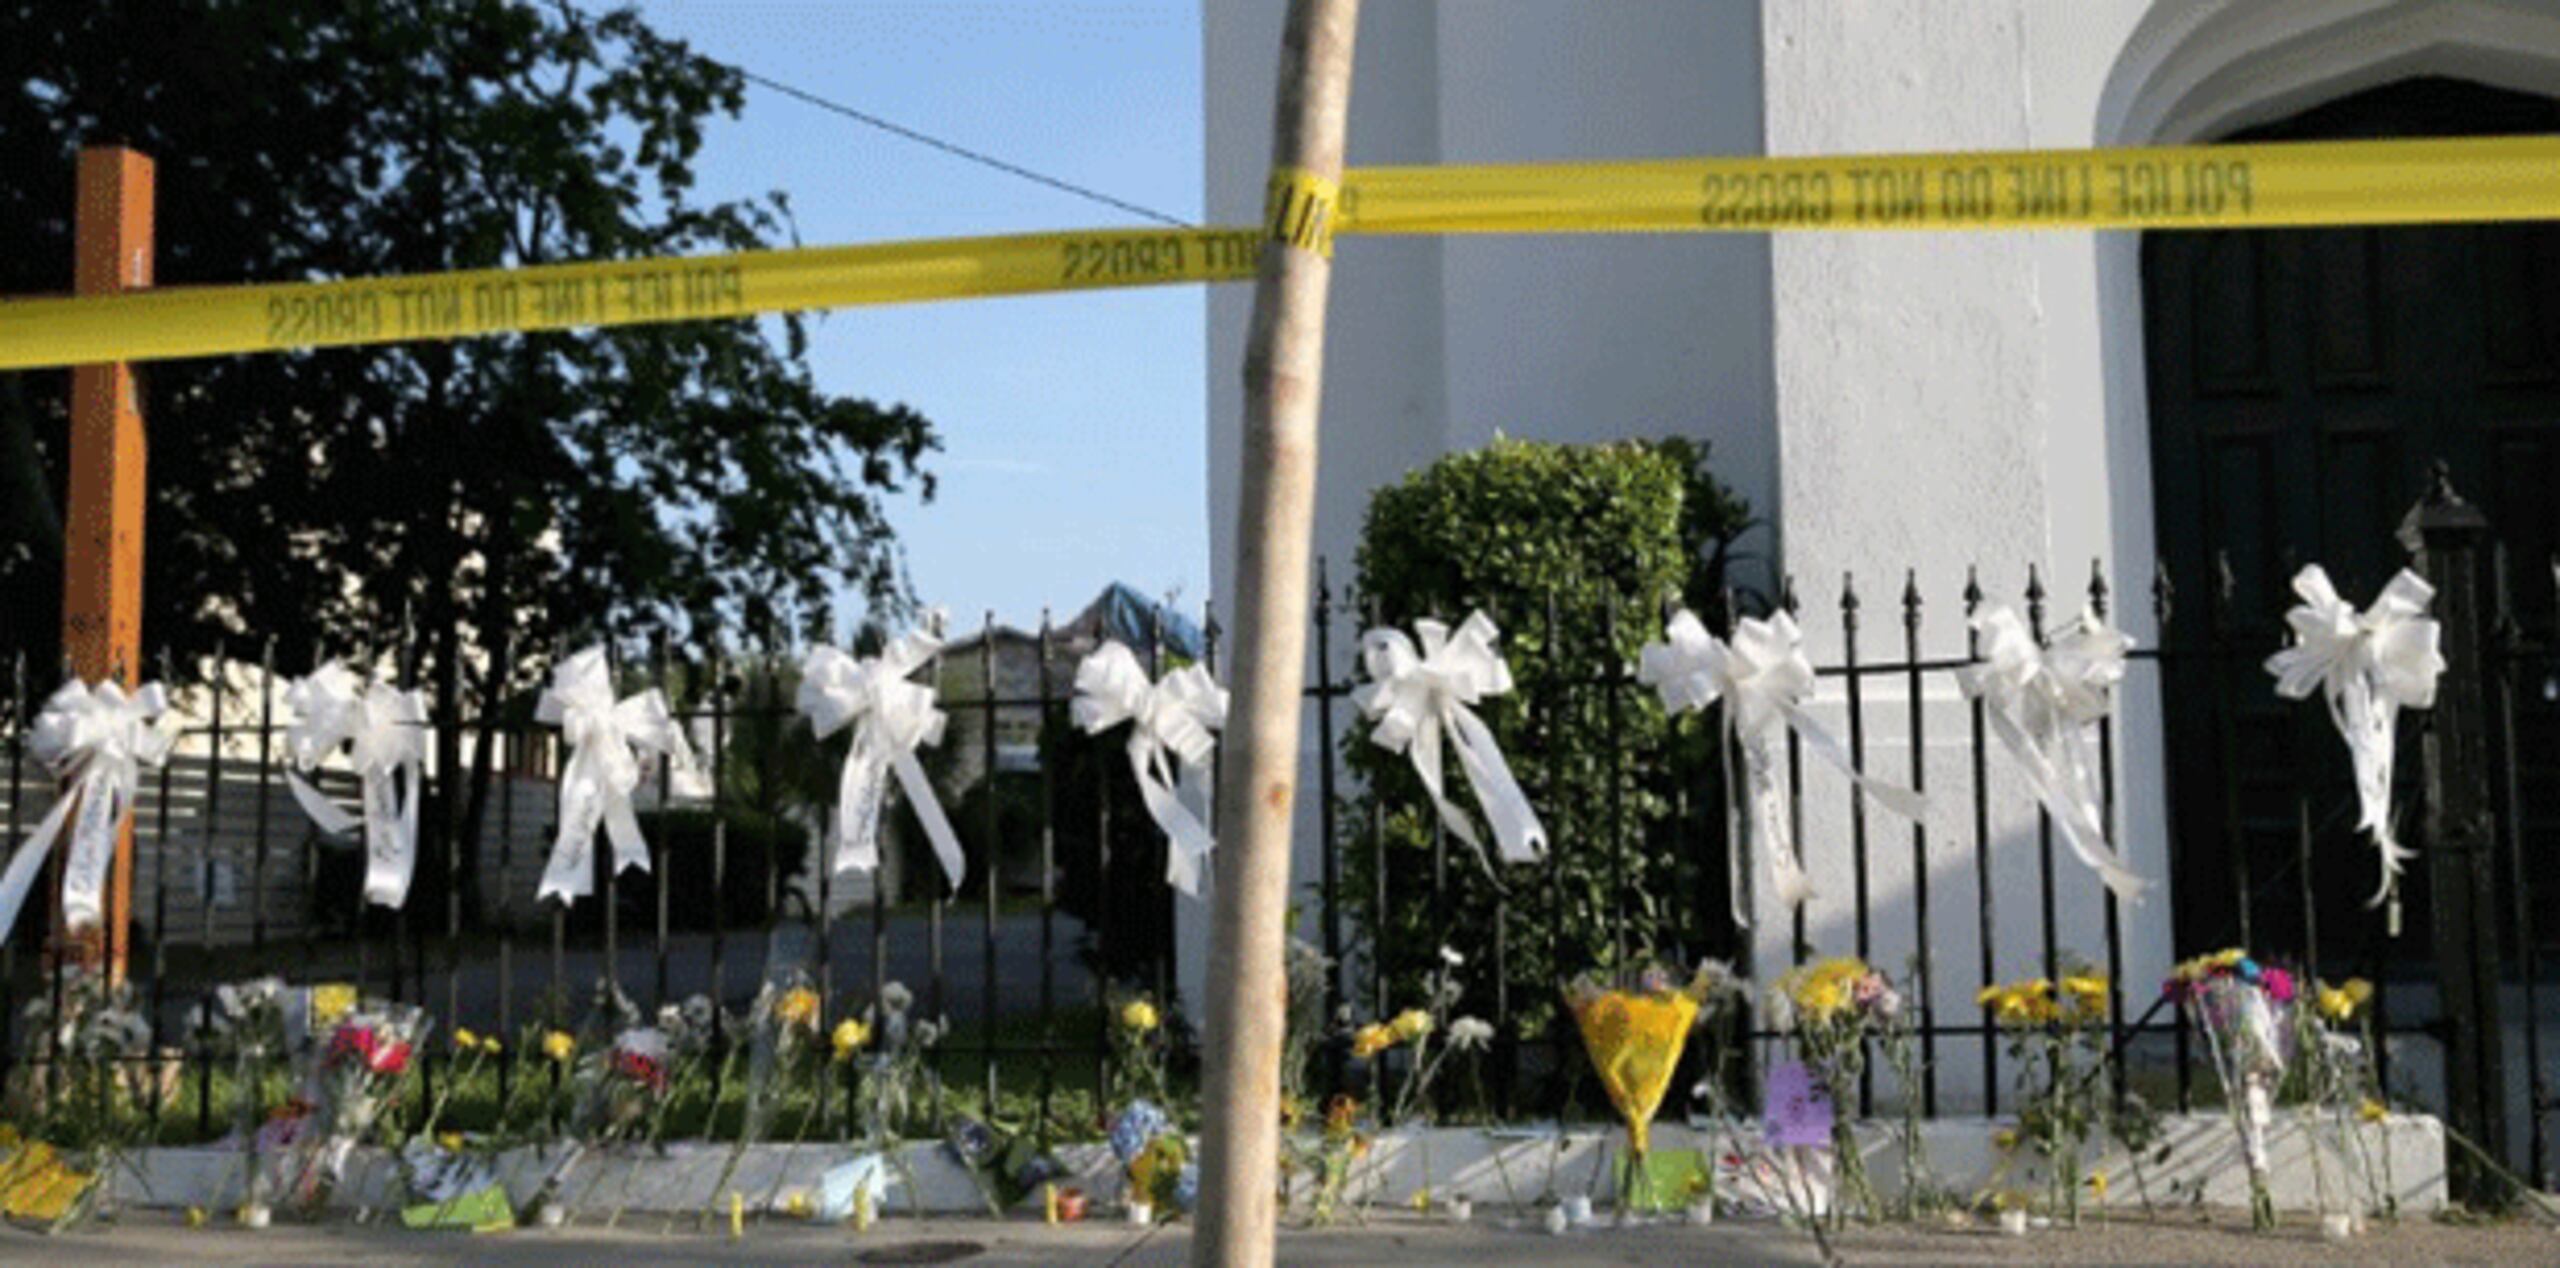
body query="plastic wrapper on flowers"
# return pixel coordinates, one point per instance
(2240, 1005)
(1635, 1033)
(358, 1071)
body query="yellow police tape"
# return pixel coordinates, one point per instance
(2197, 187)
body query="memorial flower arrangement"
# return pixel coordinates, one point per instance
(2339, 1093)
(2240, 1007)
(361, 1069)
(1831, 1010)
(1635, 1029)
(892, 1051)
(1306, 1149)
(250, 1026)
(612, 1088)
(786, 1040)
(2056, 1036)
(85, 1119)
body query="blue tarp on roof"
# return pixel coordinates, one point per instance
(1124, 614)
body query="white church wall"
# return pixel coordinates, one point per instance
(1434, 345)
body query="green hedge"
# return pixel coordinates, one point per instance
(1608, 533)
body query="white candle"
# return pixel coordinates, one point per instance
(2014, 1223)
(1461, 1210)
(1557, 1220)
(1702, 1211)
(1578, 1208)
(1142, 1214)
(254, 1215)
(2337, 1226)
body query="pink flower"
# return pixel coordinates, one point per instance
(2279, 985)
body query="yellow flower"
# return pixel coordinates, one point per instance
(2087, 993)
(2334, 1002)
(464, 1039)
(1339, 1114)
(1411, 1024)
(2358, 991)
(798, 1007)
(450, 1142)
(1370, 1040)
(489, 1044)
(2372, 1111)
(850, 1037)
(2005, 1139)
(1422, 1200)
(331, 1001)
(2098, 1185)
(1139, 1015)
(559, 1046)
(195, 1217)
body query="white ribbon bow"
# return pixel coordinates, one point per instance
(99, 739)
(606, 740)
(1764, 679)
(890, 716)
(2041, 701)
(1416, 696)
(1173, 723)
(386, 735)
(2370, 665)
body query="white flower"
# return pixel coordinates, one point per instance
(1468, 1033)
(644, 1041)
(1450, 955)
(896, 997)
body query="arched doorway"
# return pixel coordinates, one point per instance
(2301, 384)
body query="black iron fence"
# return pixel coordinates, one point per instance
(1066, 903)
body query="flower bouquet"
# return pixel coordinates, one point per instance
(359, 1071)
(1832, 1009)
(614, 1090)
(1006, 1165)
(2341, 1101)
(783, 1042)
(893, 1054)
(248, 1023)
(2239, 1005)
(83, 1105)
(1635, 1031)
(1154, 1157)
(2057, 1041)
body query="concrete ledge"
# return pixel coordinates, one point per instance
(1492, 1166)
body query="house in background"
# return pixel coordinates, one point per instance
(1009, 659)
(2248, 401)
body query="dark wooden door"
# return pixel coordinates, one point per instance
(2302, 385)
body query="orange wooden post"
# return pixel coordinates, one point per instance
(102, 568)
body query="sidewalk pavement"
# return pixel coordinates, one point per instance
(157, 1238)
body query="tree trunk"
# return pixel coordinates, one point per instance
(1284, 370)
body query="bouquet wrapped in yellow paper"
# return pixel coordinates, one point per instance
(1635, 1030)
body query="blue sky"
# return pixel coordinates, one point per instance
(1073, 425)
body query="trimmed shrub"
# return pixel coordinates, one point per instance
(1603, 536)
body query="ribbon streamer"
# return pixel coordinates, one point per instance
(2369, 665)
(98, 739)
(890, 716)
(2041, 701)
(1173, 727)
(1764, 680)
(1421, 695)
(386, 733)
(606, 739)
